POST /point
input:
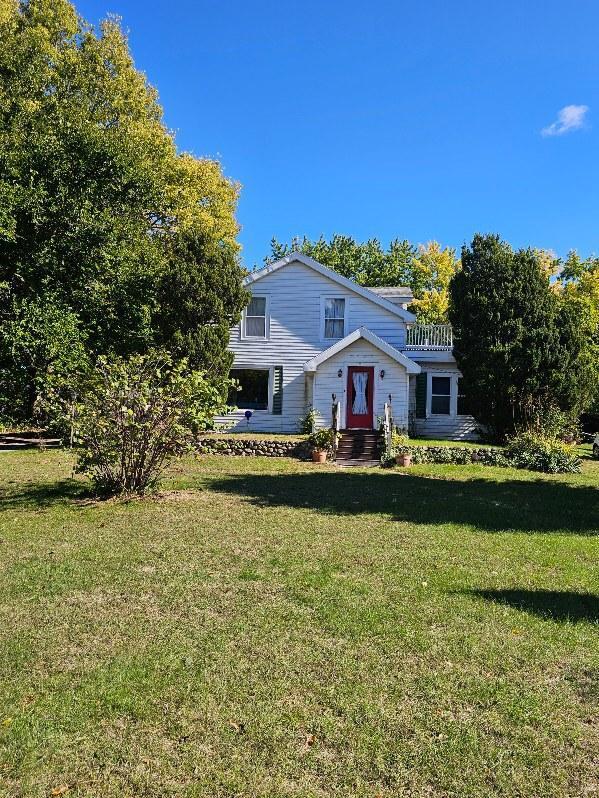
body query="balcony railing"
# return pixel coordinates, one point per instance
(430, 336)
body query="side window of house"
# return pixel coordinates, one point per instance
(441, 396)
(255, 318)
(253, 389)
(334, 318)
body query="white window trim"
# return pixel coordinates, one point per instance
(271, 375)
(453, 394)
(324, 299)
(266, 336)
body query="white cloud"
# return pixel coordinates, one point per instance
(571, 117)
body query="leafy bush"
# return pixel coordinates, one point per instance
(539, 453)
(528, 450)
(42, 361)
(136, 415)
(400, 443)
(449, 455)
(306, 423)
(546, 420)
(322, 440)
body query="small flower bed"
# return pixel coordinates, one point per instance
(527, 450)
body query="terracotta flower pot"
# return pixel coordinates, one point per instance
(404, 460)
(319, 456)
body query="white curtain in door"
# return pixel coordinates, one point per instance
(360, 405)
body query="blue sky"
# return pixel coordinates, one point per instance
(390, 119)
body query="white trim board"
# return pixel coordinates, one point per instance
(363, 332)
(335, 277)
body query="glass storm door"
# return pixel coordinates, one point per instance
(360, 385)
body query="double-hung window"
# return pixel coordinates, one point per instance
(334, 318)
(256, 321)
(441, 396)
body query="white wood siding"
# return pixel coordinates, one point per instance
(361, 353)
(442, 427)
(294, 298)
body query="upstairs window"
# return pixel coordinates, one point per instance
(255, 318)
(334, 318)
(441, 396)
(253, 389)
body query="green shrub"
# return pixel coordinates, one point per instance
(400, 443)
(306, 423)
(136, 415)
(322, 440)
(546, 420)
(539, 453)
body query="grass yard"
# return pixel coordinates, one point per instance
(270, 628)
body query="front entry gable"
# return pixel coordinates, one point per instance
(363, 333)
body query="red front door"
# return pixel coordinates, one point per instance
(360, 389)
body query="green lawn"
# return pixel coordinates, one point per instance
(270, 628)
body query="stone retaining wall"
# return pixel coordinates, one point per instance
(246, 447)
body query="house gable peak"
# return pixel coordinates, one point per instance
(367, 293)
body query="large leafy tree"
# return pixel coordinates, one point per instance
(430, 275)
(578, 287)
(426, 269)
(521, 350)
(367, 263)
(97, 207)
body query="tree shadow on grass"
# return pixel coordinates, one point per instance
(493, 506)
(41, 495)
(559, 605)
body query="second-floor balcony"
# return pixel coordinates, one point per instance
(429, 336)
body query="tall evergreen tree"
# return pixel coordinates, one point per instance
(95, 198)
(518, 347)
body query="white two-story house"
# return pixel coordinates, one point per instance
(310, 338)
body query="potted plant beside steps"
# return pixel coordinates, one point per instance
(400, 447)
(322, 444)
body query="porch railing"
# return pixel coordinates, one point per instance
(336, 423)
(429, 336)
(388, 427)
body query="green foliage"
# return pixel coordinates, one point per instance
(199, 298)
(448, 455)
(366, 263)
(96, 204)
(515, 342)
(426, 269)
(530, 450)
(547, 420)
(322, 440)
(578, 285)
(43, 359)
(306, 423)
(540, 453)
(400, 443)
(136, 415)
(430, 276)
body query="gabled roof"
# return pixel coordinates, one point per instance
(297, 257)
(363, 332)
